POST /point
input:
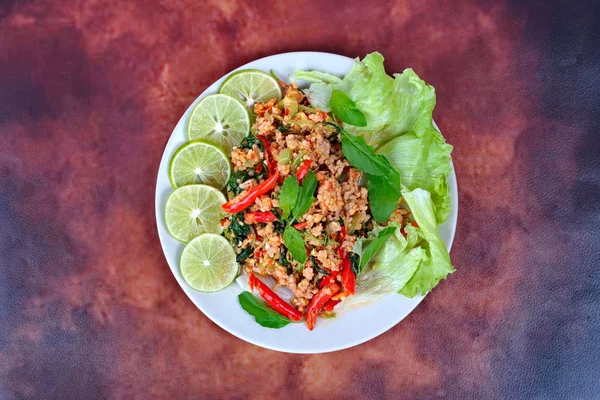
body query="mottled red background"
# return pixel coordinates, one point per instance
(89, 94)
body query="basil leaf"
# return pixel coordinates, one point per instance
(288, 195)
(250, 141)
(262, 314)
(317, 268)
(295, 244)
(345, 109)
(238, 227)
(354, 262)
(384, 193)
(373, 247)
(363, 156)
(383, 180)
(306, 195)
(244, 254)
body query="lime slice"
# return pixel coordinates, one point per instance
(251, 86)
(208, 263)
(199, 162)
(219, 119)
(193, 210)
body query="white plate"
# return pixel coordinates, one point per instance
(348, 329)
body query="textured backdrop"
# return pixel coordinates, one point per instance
(89, 93)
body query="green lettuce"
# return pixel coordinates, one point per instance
(411, 262)
(423, 162)
(436, 266)
(400, 127)
(391, 268)
(399, 122)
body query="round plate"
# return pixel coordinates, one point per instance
(346, 330)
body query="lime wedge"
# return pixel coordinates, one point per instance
(208, 263)
(251, 86)
(193, 210)
(199, 162)
(219, 119)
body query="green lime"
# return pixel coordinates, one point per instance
(251, 86)
(199, 162)
(208, 263)
(219, 119)
(193, 210)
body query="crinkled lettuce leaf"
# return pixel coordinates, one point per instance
(423, 162)
(400, 126)
(436, 266)
(411, 262)
(391, 268)
(399, 122)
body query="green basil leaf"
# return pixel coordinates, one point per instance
(295, 244)
(244, 254)
(354, 262)
(262, 314)
(345, 109)
(384, 194)
(288, 195)
(316, 266)
(306, 195)
(363, 156)
(383, 180)
(375, 245)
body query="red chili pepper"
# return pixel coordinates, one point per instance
(348, 278)
(271, 166)
(259, 216)
(301, 225)
(318, 302)
(330, 305)
(273, 300)
(303, 170)
(403, 232)
(252, 195)
(326, 281)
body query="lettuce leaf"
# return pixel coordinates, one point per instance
(399, 123)
(423, 162)
(436, 266)
(391, 268)
(411, 265)
(400, 127)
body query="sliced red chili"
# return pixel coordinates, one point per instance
(259, 216)
(274, 301)
(301, 225)
(330, 305)
(271, 164)
(348, 278)
(318, 302)
(326, 280)
(403, 232)
(303, 170)
(249, 199)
